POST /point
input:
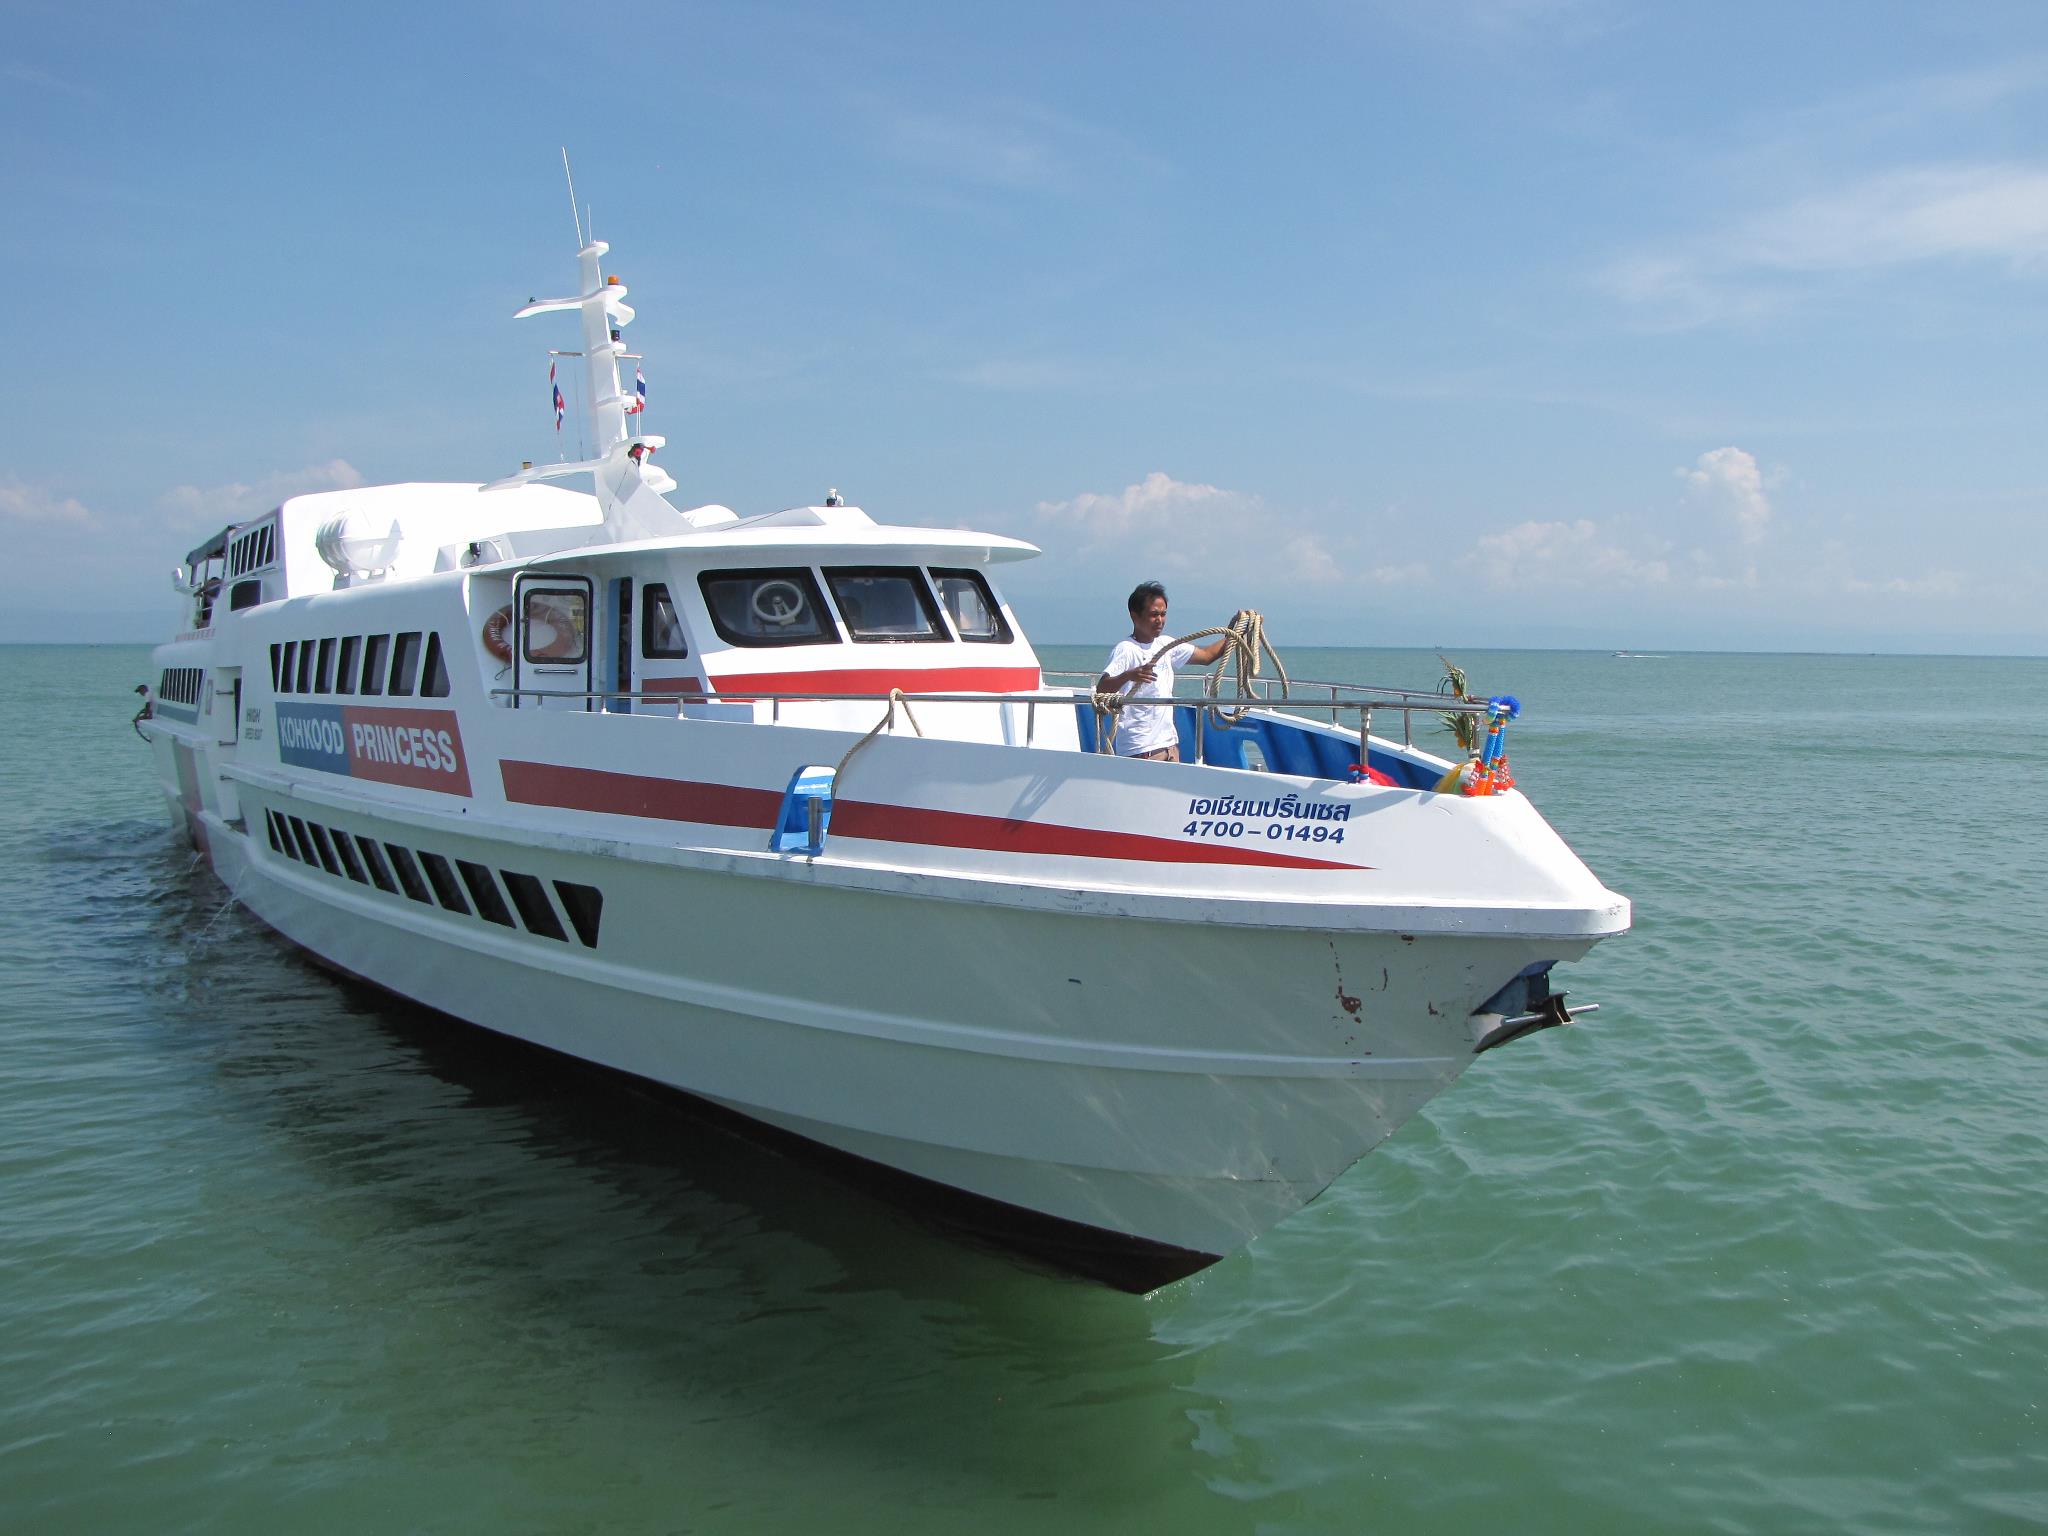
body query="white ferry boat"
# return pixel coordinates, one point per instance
(781, 811)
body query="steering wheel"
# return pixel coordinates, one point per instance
(778, 602)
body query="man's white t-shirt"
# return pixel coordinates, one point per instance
(1146, 728)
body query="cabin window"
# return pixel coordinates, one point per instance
(323, 670)
(244, 594)
(290, 661)
(445, 886)
(373, 860)
(326, 848)
(775, 607)
(661, 632)
(408, 873)
(490, 906)
(350, 864)
(972, 606)
(435, 683)
(884, 604)
(305, 675)
(276, 658)
(345, 667)
(374, 647)
(585, 906)
(532, 901)
(554, 629)
(405, 664)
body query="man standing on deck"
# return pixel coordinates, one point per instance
(1147, 730)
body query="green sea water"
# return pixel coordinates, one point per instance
(1761, 1246)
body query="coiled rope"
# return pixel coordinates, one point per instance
(1245, 642)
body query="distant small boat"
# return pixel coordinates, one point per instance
(1639, 656)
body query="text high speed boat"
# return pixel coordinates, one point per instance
(780, 811)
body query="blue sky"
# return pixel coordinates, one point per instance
(1509, 322)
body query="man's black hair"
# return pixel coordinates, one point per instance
(1142, 595)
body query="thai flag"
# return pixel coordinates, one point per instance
(556, 390)
(640, 393)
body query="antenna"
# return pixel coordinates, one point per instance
(572, 197)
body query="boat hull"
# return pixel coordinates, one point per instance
(1156, 1088)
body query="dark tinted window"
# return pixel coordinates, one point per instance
(323, 672)
(971, 606)
(290, 662)
(350, 864)
(408, 873)
(374, 647)
(585, 906)
(276, 656)
(661, 632)
(304, 680)
(345, 668)
(884, 603)
(373, 860)
(435, 684)
(532, 901)
(445, 885)
(245, 594)
(489, 904)
(326, 848)
(405, 664)
(779, 607)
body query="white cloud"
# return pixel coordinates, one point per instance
(1727, 481)
(237, 501)
(1561, 554)
(1933, 584)
(1998, 212)
(34, 505)
(1185, 527)
(1985, 212)
(1154, 503)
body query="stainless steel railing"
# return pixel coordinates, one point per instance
(1343, 699)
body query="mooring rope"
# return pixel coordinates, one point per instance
(1245, 638)
(888, 719)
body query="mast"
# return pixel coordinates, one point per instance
(629, 487)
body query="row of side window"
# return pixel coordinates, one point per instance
(430, 878)
(397, 665)
(878, 604)
(253, 550)
(180, 685)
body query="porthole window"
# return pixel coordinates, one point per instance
(884, 604)
(771, 607)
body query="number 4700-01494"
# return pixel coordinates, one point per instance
(1276, 832)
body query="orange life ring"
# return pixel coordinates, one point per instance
(494, 633)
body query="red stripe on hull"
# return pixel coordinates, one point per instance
(729, 805)
(881, 680)
(634, 794)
